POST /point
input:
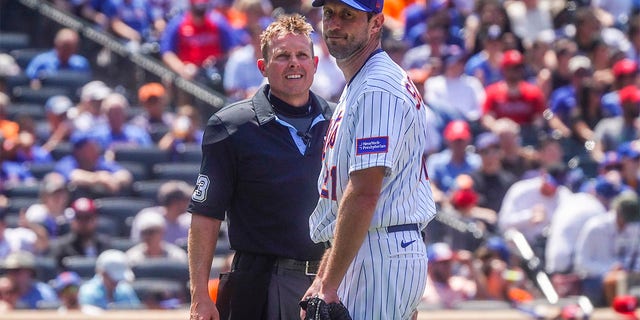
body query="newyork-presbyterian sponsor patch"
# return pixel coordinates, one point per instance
(372, 145)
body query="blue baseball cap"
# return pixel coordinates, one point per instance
(65, 279)
(628, 150)
(373, 6)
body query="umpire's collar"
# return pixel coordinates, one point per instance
(264, 110)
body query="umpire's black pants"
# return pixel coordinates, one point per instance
(260, 287)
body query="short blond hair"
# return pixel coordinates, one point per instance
(286, 24)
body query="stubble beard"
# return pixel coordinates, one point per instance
(345, 51)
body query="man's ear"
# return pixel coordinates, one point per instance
(262, 65)
(378, 21)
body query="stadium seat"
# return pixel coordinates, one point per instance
(46, 268)
(147, 156)
(34, 111)
(40, 169)
(120, 209)
(162, 268)
(61, 150)
(122, 243)
(24, 55)
(108, 226)
(17, 80)
(13, 40)
(26, 94)
(70, 80)
(85, 267)
(18, 203)
(138, 170)
(147, 189)
(22, 190)
(187, 172)
(191, 152)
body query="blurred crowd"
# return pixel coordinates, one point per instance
(534, 139)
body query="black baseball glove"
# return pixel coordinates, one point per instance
(317, 309)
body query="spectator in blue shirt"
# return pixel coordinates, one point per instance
(33, 294)
(132, 20)
(117, 131)
(62, 57)
(88, 170)
(445, 166)
(110, 288)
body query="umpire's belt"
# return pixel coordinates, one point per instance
(309, 268)
(252, 261)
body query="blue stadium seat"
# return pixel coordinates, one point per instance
(147, 156)
(72, 81)
(147, 189)
(13, 40)
(85, 267)
(22, 190)
(120, 209)
(34, 111)
(26, 94)
(185, 171)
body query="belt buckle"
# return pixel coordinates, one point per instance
(306, 269)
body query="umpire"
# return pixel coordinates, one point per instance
(261, 161)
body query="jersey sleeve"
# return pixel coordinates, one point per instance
(215, 182)
(380, 117)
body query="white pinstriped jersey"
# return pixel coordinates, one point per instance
(380, 120)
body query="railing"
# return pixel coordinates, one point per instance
(151, 65)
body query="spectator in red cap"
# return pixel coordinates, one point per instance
(83, 238)
(513, 97)
(609, 133)
(625, 72)
(443, 167)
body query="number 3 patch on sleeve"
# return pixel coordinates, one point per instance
(202, 186)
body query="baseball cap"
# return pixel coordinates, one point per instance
(626, 205)
(579, 62)
(52, 182)
(94, 91)
(373, 6)
(511, 58)
(151, 220)
(150, 90)
(486, 140)
(66, 279)
(439, 251)
(19, 260)
(58, 104)
(115, 264)
(457, 129)
(607, 188)
(625, 67)
(629, 150)
(83, 206)
(629, 94)
(625, 304)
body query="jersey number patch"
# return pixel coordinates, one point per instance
(200, 192)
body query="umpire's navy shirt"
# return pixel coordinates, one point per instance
(253, 171)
